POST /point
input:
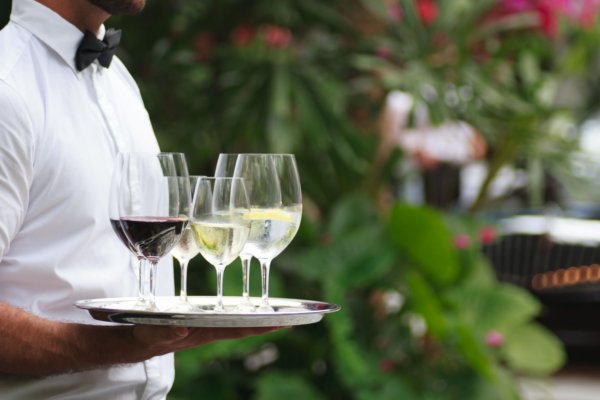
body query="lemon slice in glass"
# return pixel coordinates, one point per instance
(268, 213)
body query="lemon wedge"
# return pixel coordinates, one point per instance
(274, 214)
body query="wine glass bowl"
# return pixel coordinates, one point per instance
(273, 186)
(184, 251)
(218, 224)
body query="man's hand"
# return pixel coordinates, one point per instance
(162, 340)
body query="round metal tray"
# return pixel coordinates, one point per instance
(286, 312)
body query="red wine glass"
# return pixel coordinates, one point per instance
(149, 211)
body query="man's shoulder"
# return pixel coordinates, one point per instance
(14, 42)
(119, 68)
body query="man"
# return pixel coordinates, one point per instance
(62, 122)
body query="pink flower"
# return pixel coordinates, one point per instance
(516, 6)
(427, 10)
(487, 234)
(545, 9)
(395, 12)
(387, 365)
(494, 339)
(383, 52)
(242, 35)
(277, 36)
(548, 21)
(462, 241)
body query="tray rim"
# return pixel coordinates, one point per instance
(100, 309)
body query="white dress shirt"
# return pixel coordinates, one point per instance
(60, 131)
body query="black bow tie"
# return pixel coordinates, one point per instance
(92, 48)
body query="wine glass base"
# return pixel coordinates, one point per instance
(265, 308)
(183, 306)
(245, 306)
(144, 305)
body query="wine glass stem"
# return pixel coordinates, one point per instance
(265, 265)
(152, 291)
(144, 281)
(220, 269)
(140, 277)
(183, 290)
(246, 260)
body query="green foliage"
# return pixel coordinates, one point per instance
(277, 386)
(424, 237)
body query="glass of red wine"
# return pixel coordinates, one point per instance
(149, 211)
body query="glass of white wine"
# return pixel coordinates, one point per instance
(219, 225)
(273, 186)
(184, 251)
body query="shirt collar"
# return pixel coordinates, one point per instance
(49, 27)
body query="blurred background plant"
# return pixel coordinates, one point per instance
(423, 315)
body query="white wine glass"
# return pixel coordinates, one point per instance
(227, 165)
(148, 210)
(219, 224)
(175, 164)
(185, 250)
(273, 186)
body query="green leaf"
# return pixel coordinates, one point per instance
(426, 302)
(422, 235)
(354, 366)
(281, 130)
(279, 385)
(477, 270)
(531, 349)
(473, 350)
(501, 387)
(392, 388)
(352, 212)
(502, 307)
(376, 7)
(529, 69)
(354, 260)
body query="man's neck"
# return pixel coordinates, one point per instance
(81, 13)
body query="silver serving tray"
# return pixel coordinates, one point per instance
(286, 312)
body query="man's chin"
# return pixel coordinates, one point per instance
(120, 7)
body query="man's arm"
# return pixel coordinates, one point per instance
(30, 345)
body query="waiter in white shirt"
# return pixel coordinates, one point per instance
(67, 106)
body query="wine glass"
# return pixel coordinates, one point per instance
(148, 210)
(218, 224)
(172, 164)
(167, 165)
(184, 251)
(175, 164)
(273, 186)
(226, 167)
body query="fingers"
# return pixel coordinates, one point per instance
(207, 335)
(169, 339)
(149, 335)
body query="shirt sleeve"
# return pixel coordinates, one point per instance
(16, 163)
